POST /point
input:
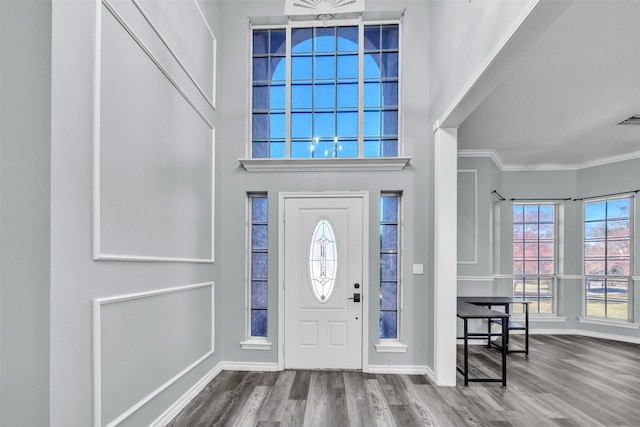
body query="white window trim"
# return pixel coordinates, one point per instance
(251, 342)
(359, 163)
(396, 345)
(606, 321)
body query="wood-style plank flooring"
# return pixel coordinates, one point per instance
(565, 381)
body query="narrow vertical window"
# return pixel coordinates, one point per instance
(258, 214)
(607, 258)
(389, 264)
(534, 255)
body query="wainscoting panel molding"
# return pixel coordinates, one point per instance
(153, 134)
(468, 216)
(140, 346)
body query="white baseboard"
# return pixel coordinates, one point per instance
(249, 366)
(585, 333)
(184, 400)
(401, 369)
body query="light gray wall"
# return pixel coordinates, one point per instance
(587, 182)
(25, 132)
(76, 279)
(414, 181)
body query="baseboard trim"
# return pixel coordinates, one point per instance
(585, 333)
(401, 369)
(250, 366)
(171, 412)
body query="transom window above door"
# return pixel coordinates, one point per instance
(323, 92)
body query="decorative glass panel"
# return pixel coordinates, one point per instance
(323, 261)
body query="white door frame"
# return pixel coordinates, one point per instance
(364, 195)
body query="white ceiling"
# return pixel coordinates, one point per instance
(560, 104)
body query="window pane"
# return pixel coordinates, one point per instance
(260, 97)
(259, 209)
(348, 67)
(595, 308)
(301, 125)
(388, 238)
(371, 37)
(390, 148)
(594, 230)
(372, 94)
(618, 248)
(618, 310)
(277, 98)
(301, 96)
(372, 148)
(595, 288)
(618, 267)
(347, 125)
(546, 267)
(348, 148)
(301, 149)
(618, 229)
(389, 295)
(258, 294)
(260, 126)
(389, 209)
(388, 324)
(390, 37)
(301, 68)
(518, 267)
(259, 236)
(595, 268)
(260, 42)
(618, 208)
(278, 39)
(278, 69)
(324, 125)
(325, 40)
(259, 150)
(372, 123)
(259, 323)
(347, 95)
(324, 96)
(389, 65)
(372, 66)
(301, 40)
(390, 94)
(260, 67)
(545, 306)
(347, 39)
(259, 265)
(325, 67)
(389, 266)
(531, 213)
(277, 129)
(518, 231)
(594, 211)
(277, 150)
(323, 149)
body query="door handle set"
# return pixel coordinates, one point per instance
(356, 297)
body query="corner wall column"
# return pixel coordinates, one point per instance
(446, 254)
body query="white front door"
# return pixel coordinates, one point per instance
(323, 279)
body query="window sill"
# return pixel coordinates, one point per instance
(325, 165)
(605, 322)
(256, 343)
(391, 347)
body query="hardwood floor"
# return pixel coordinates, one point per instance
(566, 381)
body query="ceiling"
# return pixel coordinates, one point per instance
(560, 104)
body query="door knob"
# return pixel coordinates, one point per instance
(356, 297)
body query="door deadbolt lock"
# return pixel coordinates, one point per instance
(356, 285)
(356, 297)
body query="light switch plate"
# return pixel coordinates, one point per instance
(418, 269)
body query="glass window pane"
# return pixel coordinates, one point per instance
(518, 251)
(546, 267)
(301, 96)
(259, 323)
(545, 306)
(324, 125)
(531, 213)
(595, 288)
(618, 267)
(618, 208)
(617, 310)
(324, 96)
(546, 213)
(278, 41)
(618, 229)
(518, 231)
(372, 123)
(301, 40)
(260, 127)
(390, 94)
(546, 231)
(518, 214)
(390, 123)
(348, 148)
(518, 288)
(347, 39)
(277, 98)
(259, 209)
(594, 249)
(325, 39)
(390, 148)
(301, 125)
(388, 324)
(618, 290)
(259, 265)
(258, 294)
(390, 37)
(277, 67)
(260, 67)
(596, 268)
(388, 266)
(325, 67)
(388, 295)
(348, 67)
(595, 211)
(594, 230)
(277, 126)
(372, 148)
(301, 68)
(518, 267)
(618, 248)
(259, 150)
(259, 236)
(301, 149)
(530, 267)
(260, 97)
(277, 149)
(372, 66)
(388, 238)
(347, 95)
(389, 65)
(347, 125)
(372, 94)
(595, 308)
(324, 149)
(372, 37)
(260, 42)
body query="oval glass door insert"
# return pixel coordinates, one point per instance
(323, 258)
